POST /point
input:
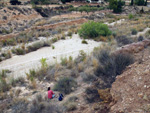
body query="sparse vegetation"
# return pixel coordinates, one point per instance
(71, 104)
(39, 105)
(18, 51)
(123, 40)
(5, 55)
(112, 65)
(88, 77)
(65, 85)
(86, 9)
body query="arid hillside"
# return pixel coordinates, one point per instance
(96, 54)
(131, 90)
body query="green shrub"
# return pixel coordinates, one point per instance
(65, 85)
(18, 51)
(84, 42)
(86, 9)
(31, 74)
(133, 31)
(53, 47)
(69, 33)
(131, 16)
(43, 63)
(64, 61)
(4, 86)
(54, 40)
(35, 46)
(4, 56)
(8, 42)
(93, 29)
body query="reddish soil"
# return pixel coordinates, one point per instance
(131, 90)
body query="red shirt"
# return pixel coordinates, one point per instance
(50, 93)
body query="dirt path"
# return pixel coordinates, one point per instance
(19, 65)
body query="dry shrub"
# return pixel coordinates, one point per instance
(71, 104)
(3, 96)
(105, 95)
(70, 63)
(65, 85)
(80, 67)
(112, 65)
(19, 105)
(92, 95)
(18, 91)
(33, 84)
(123, 40)
(39, 105)
(18, 81)
(95, 63)
(104, 39)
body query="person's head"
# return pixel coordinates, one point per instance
(49, 88)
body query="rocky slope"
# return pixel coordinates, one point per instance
(131, 90)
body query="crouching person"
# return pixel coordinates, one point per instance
(50, 93)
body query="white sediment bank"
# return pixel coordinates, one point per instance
(19, 65)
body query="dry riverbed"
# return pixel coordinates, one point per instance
(19, 65)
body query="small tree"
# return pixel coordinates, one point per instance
(145, 3)
(140, 2)
(116, 5)
(131, 2)
(63, 1)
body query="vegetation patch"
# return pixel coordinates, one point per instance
(112, 65)
(93, 29)
(65, 85)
